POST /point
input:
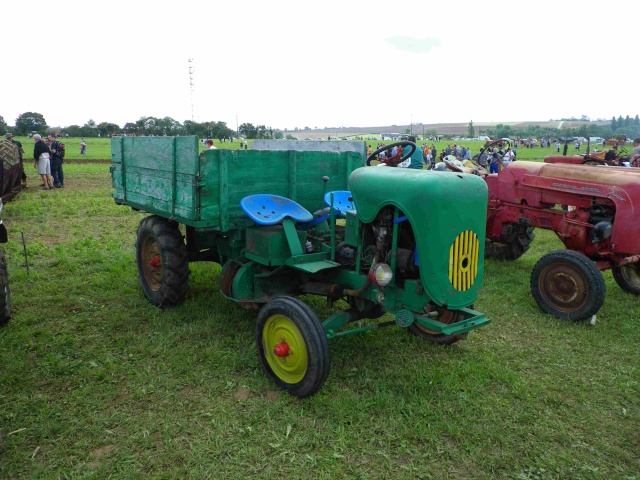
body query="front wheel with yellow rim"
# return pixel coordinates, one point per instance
(292, 346)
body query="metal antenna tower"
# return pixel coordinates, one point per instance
(192, 87)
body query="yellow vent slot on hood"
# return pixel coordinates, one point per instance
(463, 260)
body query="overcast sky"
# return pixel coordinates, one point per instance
(289, 64)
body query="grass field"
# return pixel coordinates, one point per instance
(96, 383)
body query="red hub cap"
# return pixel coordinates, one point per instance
(155, 261)
(281, 350)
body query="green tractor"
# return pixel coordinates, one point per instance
(286, 224)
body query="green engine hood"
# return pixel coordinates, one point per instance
(447, 212)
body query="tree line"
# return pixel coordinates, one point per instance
(33, 122)
(30, 122)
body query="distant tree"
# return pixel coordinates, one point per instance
(106, 129)
(30, 122)
(627, 121)
(130, 128)
(248, 130)
(168, 126)
(504, 131)
(584, 118)
(636, 120)
(471, 131)
(278, 135)
(195, 128)
(614, 124)
(3, 126)
(72, 131)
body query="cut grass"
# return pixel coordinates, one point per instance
(96, 383)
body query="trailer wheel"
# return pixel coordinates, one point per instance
(163, 266)
(5, 297)
(292, 346)
(516, 243)
(568, 285)
(628, 278)
(446, 316)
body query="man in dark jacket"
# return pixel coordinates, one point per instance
(56, 162)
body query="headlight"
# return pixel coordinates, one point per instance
(381, 274)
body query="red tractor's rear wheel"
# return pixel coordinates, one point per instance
(628, 278)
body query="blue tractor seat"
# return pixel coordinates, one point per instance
(266, 209)
(341, 202)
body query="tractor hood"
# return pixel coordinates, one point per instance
(447, 212)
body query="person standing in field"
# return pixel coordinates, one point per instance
(56, 162)
(41, 154)
(83, 147)
(209, 144)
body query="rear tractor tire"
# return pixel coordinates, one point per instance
(163, 266)
(568, 285)
(628, 277)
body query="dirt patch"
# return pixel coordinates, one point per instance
(102, 451)
(241, 395)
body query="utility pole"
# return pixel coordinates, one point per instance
(192, 87)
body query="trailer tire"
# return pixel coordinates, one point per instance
(289, 321)
(163, 265)
(517, 242)
(5, 294)
(568, 285)
(628, 277)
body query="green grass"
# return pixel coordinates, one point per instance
(96, 383)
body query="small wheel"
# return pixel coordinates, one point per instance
(514, 242)
(445, 316)
(628, 277)
(292, 346)
(568, 285)
(5, 296)
(163, 266)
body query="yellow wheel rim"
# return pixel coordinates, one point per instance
(291, 367)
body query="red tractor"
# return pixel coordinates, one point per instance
(593, 211)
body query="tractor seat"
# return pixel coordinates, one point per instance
(266, 209)
(341, 202)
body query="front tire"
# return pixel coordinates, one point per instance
(292, 346)
(568, 285)
(5, 296)
(163, 267)
(628, 278)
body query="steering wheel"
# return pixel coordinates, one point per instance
(404, 143)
